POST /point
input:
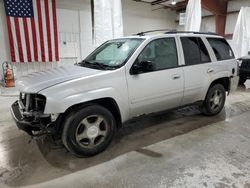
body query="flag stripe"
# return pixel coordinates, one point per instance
(13, 29)
(34, 38)
(45, 35)
(36, 28)
(55, 29)
(40, 24)
(52, 32)
(27, 40)
(12, 50)
(20, 20)
(30, 40)
(46, 3)
(19, 41)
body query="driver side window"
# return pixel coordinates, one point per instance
(161, 52)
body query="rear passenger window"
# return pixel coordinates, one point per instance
(221, 48)
(195, 51)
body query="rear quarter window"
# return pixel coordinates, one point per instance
(221, 49)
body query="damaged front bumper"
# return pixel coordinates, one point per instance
(34, 126)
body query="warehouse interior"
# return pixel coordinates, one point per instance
(75, 26)
(176, 147)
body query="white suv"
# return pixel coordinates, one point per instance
(122, 79)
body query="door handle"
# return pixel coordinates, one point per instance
(210, 70)
(176, 76)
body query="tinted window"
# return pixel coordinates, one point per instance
(195, 51)
(221, 48)
(161, 52)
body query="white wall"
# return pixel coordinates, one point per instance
(232, 18)
(139, 17)
(74, 18)
(207, 23)
(4, 52)
(4, 48)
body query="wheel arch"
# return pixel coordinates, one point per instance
(107, 102)
(224, 81)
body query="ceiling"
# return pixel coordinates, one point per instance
(179, 6)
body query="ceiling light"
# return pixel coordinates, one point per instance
(173, 2)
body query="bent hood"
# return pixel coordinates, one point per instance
(37, 81)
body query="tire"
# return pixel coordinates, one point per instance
(242, 80)
(214, 101)
(88, 131)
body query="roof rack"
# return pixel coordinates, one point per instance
(173, 31)
(192, 32)
(151, 31)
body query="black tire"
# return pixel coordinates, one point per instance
(76, 127)
(242, 80)
(212, 106)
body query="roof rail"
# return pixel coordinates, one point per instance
(192, 32)
(151, 31)
(173, 31)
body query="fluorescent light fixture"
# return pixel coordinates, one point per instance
(173, 2)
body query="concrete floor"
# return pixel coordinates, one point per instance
(175, 149)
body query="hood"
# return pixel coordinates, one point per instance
(37, 81)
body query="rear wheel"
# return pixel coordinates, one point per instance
(215, 100)
(88, 131)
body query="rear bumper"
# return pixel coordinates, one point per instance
(25, 124)
(234, 82)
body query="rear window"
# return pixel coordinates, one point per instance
(221, 48)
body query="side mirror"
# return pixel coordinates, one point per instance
(141, 67)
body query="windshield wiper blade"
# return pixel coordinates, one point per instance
(100, 65)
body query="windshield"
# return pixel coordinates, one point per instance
(113, 53)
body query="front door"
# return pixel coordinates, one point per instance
(161, 87)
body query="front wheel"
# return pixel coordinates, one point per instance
(88, 131)
(214, 101)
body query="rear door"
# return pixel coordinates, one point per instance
(225, 63)
(198, 69)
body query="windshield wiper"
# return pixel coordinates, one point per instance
(100, 65)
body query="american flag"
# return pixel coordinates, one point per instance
(32, 29)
